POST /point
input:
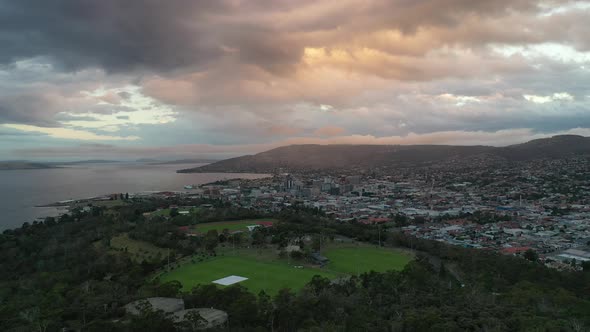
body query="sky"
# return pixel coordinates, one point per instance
(110, 79)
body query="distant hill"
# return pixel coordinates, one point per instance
(554, 147)
(321, 157)
(83, 162)
(182, 161)
(14, 165)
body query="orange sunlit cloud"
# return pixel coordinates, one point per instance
(249, 73)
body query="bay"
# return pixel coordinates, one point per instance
(22, 190)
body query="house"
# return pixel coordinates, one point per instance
(265, 224)
(374, 221)
(212, 317)
(514, 250)
(166, 304)
(252, 227)
(578, 255)
(317, 258)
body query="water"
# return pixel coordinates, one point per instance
(22, 190)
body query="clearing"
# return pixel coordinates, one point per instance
(138, 251)
(237, 225)
(355, 260)
(262, 275)
(265, 271)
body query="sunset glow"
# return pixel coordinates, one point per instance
(224, 78)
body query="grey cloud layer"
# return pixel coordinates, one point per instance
(114, 35)
(166, 35)
(259, 71)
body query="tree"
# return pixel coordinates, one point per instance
(400, 220)
(236, 239)
(318, 284)
(150, 320)
(211, 240)
(258, 236)
(316, 243)
(266, 309)
(297, 254)
(225, 233)
(193, 321)
(169, 289)
(531, 255)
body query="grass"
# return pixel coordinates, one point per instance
(265, 271)
(354, 260)
(110, 204)
(163, 213)
(166, 212)
(237, 225)
(262, 275)
(137, 250)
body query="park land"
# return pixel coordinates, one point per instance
(266, 271)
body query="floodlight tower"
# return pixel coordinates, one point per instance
(431, 190)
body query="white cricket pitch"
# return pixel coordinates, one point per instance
(229, 280)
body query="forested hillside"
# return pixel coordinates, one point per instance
(59, 274)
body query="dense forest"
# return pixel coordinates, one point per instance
(56, 274)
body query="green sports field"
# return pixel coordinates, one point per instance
(266, 272)
(267, 276)
(354, 260)
(238, 225)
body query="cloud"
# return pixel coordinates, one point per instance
(30, 108)
(329, 131)
(498, 138)
(66, 133)
(164, 36)
(109, 34)
(242, 73)
(562, 96)
(136, 109)
(110, 98)
(282, 130)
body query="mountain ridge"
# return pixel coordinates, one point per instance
(342, 156)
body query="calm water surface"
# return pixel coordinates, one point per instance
(22, 190)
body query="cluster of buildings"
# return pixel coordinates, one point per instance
(543, 206)
(208, 318)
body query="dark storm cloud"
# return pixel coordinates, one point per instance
(115, 35)
(166, 35)
(34, 109)
(138, 34)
